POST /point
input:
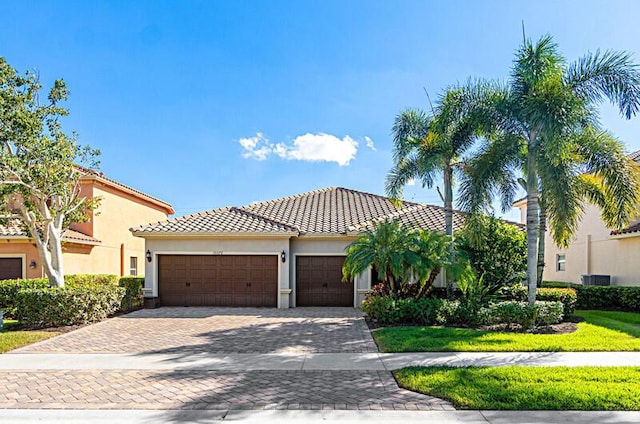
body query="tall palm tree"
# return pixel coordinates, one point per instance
(426, 145)
(544, 124)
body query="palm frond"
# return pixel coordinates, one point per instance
(611, 75)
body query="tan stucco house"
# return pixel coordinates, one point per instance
(280, 253)
(103, 245)
(595, 250)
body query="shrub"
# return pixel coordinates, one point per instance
(568, 297)
(133, 296)
(84, 279)
(608, 297)
(9, 289)
(496, 250)
(50, 307)
(424, 311)
(517, 292)
(522, 314)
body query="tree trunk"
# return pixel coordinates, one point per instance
(532, 226)
(541, 240)
(448, 200)
(56, 273)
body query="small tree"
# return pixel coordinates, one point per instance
(39, 175)
(497, 251)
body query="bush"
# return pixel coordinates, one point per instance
(133, 296)
(522, 314)
(496, 250)
(51, 307)
(568, 297)
(425, 311)
(608, 297)
(98, 279)
(9, 289)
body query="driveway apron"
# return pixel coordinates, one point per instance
(176, 333)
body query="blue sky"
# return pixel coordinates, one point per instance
(213, 103)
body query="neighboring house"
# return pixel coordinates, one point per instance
(284, 252)
(103, 245)
(594, 250)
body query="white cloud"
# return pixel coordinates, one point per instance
(369, 143)
(308, 147)
(411, 182)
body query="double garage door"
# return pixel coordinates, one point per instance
(249, 280)
(209, 280)
(10, 268)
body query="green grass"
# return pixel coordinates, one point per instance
(529, 388)
(601, 331)
(10, 339)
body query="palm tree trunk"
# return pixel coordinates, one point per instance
(532, 225)
(448, 200)
(541, 236)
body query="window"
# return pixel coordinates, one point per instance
(133, 266)
(561, 262)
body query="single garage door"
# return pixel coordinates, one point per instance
(10, 268)
(227, 280)
(319, 282)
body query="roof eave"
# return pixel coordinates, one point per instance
(169, 234)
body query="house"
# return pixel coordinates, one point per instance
(594, 250)
(102, 245)
(286, 252)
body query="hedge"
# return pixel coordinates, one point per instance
(603, 297)
(84, 298)
(133, 296)
(436, 311)
(518, 292)
(51, 307)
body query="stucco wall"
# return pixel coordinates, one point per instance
(116, 213)
(26, 251)
(594, 251)
(229, 246)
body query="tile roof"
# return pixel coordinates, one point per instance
(226, 220)
(633, 228)
(331, 211)
(419, 216)
(13, 229)
(635, 156)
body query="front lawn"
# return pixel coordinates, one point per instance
(529, 388)
(600, 331)
(13, 339)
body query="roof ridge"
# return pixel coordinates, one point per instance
(366, 193)
(263, 218)
(293, 196)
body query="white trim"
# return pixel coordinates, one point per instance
(22, 256)
(155, 291)
(625, 235)
(292, 278)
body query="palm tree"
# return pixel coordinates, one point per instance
(385, 247)
(544, 124)
(427, 145)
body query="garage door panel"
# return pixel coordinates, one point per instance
(319, 282)
(10, 268)
(225, 280)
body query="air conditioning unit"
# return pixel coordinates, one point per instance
(596, 280)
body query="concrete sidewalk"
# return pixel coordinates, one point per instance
(308, 362)
(312, 417)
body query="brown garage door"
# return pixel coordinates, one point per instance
(206, 280)
(10, 268)
(319, 282)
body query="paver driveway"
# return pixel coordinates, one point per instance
(202, 331)
(220, 330)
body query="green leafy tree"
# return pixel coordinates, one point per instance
(39, 175)
(544, 125)
(497, 251)
(428, 145)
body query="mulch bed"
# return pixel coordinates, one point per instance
(566, 327)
